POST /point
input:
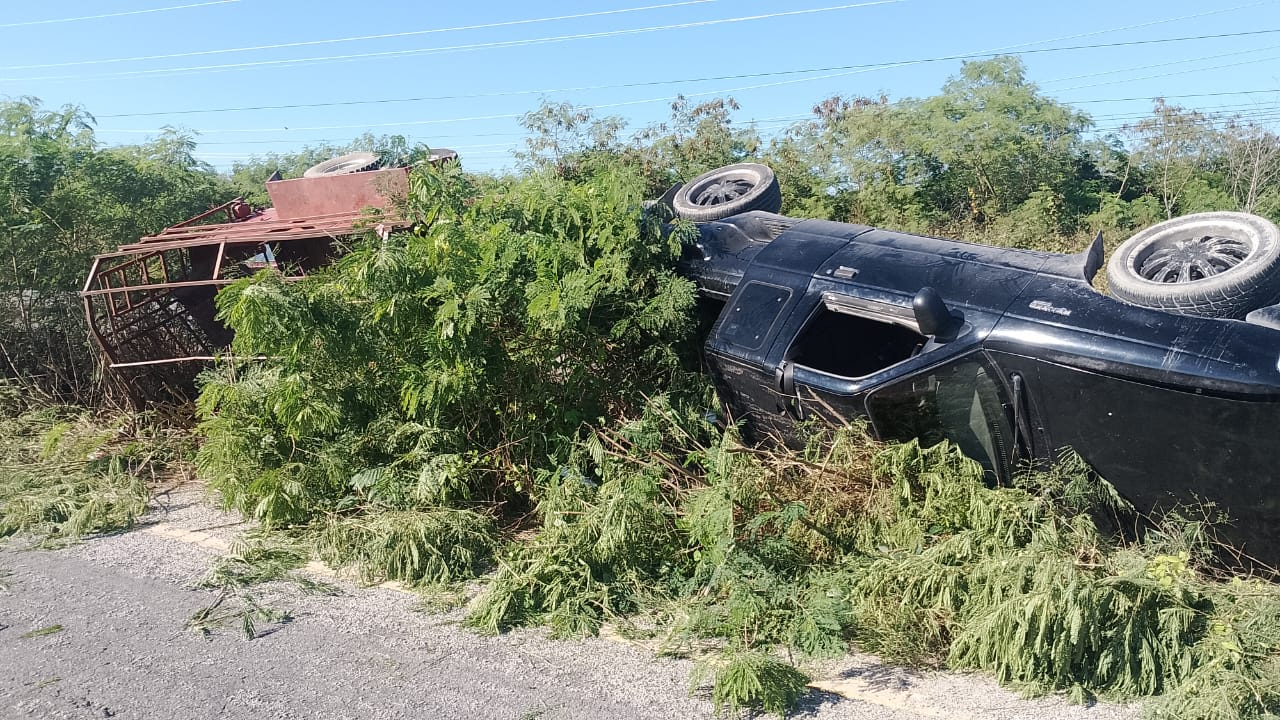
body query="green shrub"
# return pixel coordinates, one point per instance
(449, 362)
(433, 547)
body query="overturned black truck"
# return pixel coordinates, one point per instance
(1169, 388)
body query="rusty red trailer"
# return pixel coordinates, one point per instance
(150, 303)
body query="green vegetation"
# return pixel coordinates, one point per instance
(67, 473)
(511, 391)
(256, 558)
(238, 609)
(40, 632)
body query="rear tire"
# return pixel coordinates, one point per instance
(1215, 264)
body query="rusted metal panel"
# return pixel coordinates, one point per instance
(265, 228)
(309, 198)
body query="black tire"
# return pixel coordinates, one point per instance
(728, 191)
(1215, 264)
(344, 164)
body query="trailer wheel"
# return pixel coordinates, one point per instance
(343, 164)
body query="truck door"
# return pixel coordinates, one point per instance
(736, 352)
(857, 358)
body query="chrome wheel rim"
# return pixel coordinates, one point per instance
(1192, 259)
(723, 191)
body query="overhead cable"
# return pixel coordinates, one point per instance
(740, 76)
(29, 23)
(380, 36)
(457, 48)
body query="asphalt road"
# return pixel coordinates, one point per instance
(121, 650)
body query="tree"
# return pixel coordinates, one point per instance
(1251, 161)
(562, 136)
(1170, 148)
(61, 201)
(699, 137)
(976, 151)
(866, 168)
(997, 139)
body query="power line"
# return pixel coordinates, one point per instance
(1243, 112)
(635, 102)
(859, 68)
(507, 23)
(1219, 111)
(1168, 97)
(1211, 118)
(458, 48)
(424, 122)
(601, 106)
(1257, 121)
(1179, 72)
(742, 76)
(29, 23)
(1161, 64)
(295, 62)
(1224, 112)
(343, 103)
(1207, 118)
(382, 36)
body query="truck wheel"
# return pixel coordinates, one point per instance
(343, 164)
(1215, 264)
(728, 191)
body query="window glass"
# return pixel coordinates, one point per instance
(959, 402)
(748, 320)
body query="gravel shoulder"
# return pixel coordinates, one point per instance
(122, 602)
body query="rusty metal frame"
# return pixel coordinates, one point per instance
(225, 207)
(151, 302)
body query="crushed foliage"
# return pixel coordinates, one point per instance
(420, 547)
(925, 563)
(256, 558)
(237, 609)
(67, 473)
(745, 680)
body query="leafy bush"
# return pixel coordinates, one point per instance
(905, 550)
(753, 679)
(435, 546)
(433, 373)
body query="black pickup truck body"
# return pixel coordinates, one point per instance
(1010, 354)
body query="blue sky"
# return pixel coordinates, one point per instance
(478, 65)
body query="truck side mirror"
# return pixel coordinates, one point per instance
(932, 315)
